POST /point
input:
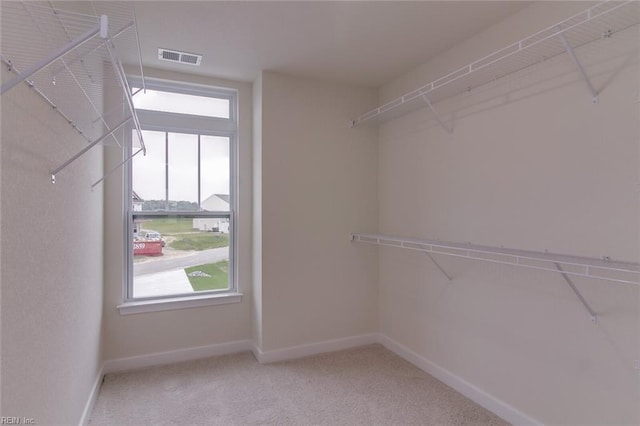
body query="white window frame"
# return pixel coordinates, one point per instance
(192, 124)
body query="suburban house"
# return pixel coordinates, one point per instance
(214, 203)
(137, 202)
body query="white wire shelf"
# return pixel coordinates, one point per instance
(66, 56)
(603, 269)
(603, 20)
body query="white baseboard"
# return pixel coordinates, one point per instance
(93, 396)
(477, 395)
(293, 352)
(179, 355)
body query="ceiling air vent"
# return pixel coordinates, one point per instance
(177, 56)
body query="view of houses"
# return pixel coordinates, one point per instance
(180, 254)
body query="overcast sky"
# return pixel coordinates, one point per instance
(149, 171)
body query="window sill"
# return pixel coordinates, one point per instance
(139, 307)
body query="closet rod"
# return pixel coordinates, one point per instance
(621, 272)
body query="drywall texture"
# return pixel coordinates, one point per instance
(148, 333)
(532, 163)
(51, 262)
(318, 185)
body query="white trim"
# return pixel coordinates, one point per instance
(154, 305)
(477, 395)
(300, 351)
(199, 125)
(179, 355)
(93, 397)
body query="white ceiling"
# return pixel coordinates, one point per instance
(363, 43)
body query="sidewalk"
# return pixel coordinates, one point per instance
(162, 284)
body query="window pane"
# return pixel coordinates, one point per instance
(155, 100)
(180, 255)
(215, 173)
(185, 176)
(148, 176)
(183, 172)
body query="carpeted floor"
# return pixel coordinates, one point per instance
(368, 386)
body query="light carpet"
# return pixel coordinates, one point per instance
(363, 386)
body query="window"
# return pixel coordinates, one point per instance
(181, 194)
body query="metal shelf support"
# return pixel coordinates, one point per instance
(592, 314)
(516, 257)
(100, 29)
(121, 75)
(582, 28)
(81, 56)
(80, 44)
(87, 148)
(448, 129)
(106, 175)
(440, 268)
(578, 64)
(33, 87)
(587, 267)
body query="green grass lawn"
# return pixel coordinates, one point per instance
(199, 241)
(218, 276)
(169, 225)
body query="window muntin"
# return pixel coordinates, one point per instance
(183, 207)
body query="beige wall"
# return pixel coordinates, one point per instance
(51, 262)
(533, 164)
(148, 333)
(314, 181)
(318, 185)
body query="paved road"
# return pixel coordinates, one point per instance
(179, 262)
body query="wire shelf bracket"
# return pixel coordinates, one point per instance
(75, 77)
(448, 129)
(100, 29)
(595, 23)
(32, 86)
(578, 64)
(86, 149)
(440, 268)
(592, 314)
(565, 265)
(125, 161)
